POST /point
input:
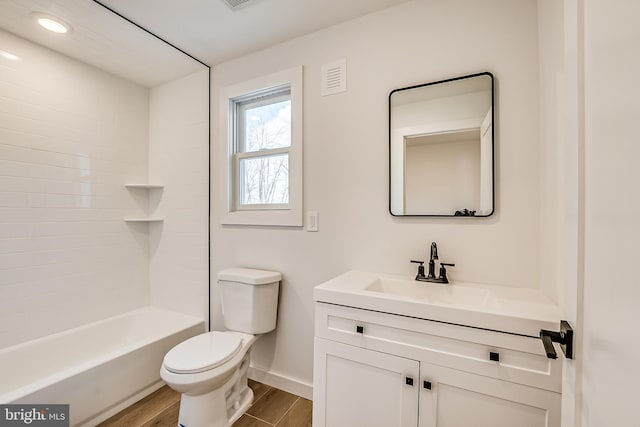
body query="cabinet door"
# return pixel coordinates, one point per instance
(458, 398)
(353, 386)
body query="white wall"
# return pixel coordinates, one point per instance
(346, 160)
(179, 159)
(70, 137)
(612, 211)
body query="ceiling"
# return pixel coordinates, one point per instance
(208, 30)
(99, 38)
(213, 33)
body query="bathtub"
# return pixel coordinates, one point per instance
(99, 368)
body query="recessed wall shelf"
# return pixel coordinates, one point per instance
(145, 186)
(144, 219)
(146, 190)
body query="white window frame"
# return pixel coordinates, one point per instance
(274, 215)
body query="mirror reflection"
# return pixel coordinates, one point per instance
(441, 148)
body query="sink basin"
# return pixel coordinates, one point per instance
(500, 308)
(433, 293)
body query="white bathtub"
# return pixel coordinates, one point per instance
(99, 368)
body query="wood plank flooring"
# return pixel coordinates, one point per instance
(271, 408)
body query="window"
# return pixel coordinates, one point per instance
(264, 133)
(261, 149)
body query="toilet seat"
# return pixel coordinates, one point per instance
(202, 352)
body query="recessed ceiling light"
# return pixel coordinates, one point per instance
(9, 55)
(52, 23)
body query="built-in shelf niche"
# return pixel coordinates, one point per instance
(147, 188)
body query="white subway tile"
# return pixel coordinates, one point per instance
(15, 276)
(12, 230)
(21, 184)
(17, 245)
(63, 161)
(13, 200)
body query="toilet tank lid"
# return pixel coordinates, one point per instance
(249, 276)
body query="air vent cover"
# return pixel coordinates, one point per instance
(334, 77)
(237, 4)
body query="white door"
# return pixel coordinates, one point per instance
(453, 398)
(358, 387)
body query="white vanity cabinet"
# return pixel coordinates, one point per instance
(386, 370)
(363, 387)
(458, 398)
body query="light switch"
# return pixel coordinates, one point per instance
(312, 221)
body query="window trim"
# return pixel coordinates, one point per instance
(273, 215)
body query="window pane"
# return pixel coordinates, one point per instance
(264, 180)
(266, 125)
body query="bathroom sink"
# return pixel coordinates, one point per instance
(500, 308)
(434, 293)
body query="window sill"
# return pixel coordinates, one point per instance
(281, 218)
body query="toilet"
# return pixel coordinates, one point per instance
(210, 369)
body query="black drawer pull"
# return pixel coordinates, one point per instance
(494, 356)
(426, 385)
(360, 329)
(408, 381)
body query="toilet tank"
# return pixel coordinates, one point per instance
(249, 299)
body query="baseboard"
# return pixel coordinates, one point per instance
(277, 380)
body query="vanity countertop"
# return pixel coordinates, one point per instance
(514, 310)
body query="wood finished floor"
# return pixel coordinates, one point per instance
(271, 408)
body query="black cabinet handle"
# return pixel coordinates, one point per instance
(494, 356)
(408, 381)
(360, 329)
(426, 385)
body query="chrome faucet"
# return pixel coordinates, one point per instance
(431, 276)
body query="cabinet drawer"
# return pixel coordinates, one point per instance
(504, 356)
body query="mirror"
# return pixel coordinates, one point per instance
(441, 148)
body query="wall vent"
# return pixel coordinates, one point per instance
(237, 4)
(334, 77)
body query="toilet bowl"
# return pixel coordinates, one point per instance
(210, 369)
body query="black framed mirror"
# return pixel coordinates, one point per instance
(441, 148)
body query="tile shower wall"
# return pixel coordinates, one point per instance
(71, 136)
(178, 158)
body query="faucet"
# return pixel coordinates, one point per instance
(431, 276)
(433, 255)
